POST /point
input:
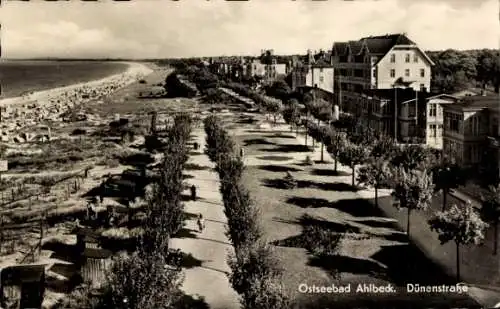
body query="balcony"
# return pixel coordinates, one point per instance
(351, 65)
(357, 80)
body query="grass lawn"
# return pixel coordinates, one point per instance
(373, 251)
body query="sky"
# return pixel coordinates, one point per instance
(189, 28)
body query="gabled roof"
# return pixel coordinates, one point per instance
(355, 47)
(322, 63)
(477, 103)
(393, 39)
(339, 48)
(377, 45)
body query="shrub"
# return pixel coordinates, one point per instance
(289, 181)
(320, 241)
(308, 160)
(256, 277)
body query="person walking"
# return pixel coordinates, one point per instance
(201, 223)
(193, 192)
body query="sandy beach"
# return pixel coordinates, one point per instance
(135, 71)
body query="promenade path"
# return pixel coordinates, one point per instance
(210, 279)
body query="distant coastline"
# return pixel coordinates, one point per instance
(19, 77)
(134, 70)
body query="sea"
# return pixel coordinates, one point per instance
(19, 77)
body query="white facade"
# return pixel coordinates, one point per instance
(320, 77)
(280, 68)
(435, 120)
(408, 63)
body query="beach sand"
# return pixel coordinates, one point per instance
(111, 83)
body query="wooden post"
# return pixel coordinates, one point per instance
(1, 233)
(42, 219)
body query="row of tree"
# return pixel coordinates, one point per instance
(147, 278)
(456, 70)
(414, 174)
(255, 272)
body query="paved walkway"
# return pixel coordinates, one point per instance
(211, 246)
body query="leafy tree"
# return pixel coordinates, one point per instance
(447, 175)
(324, 136)
(335, 145)
(488, 68)
(454, 70)
(353, 155)
(376, 174)
(214, 96)
(413, 157)
(142, 281)
(491, 210)
(345, 123)
(291, 114)
(383, 147)
(462, 225)
(205, 80)
(413, 189)
(275, 108)
(279, 90)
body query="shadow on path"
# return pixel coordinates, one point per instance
(279, 168)
(287, 148)
(328, 172)
(280, 183)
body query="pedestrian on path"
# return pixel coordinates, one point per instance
(201, 223)
(193, 192)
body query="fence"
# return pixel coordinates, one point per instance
(71, 183)
(94, 271)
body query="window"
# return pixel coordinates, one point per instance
(407, 72)
(412, 129)
(422, 72)
(321, 79)
(415, 58)
(321, 70)
(393, 58)
(454, 123)
(494, 127)
(407, 58)
(374, 73)
(433, 131)
(393, 73)
(432, 110)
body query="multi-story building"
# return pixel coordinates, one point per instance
(435, 119)
(255, 68)
(378, 62)
(265, 67)
(314, 71)
(419, 114)
(471, 131)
